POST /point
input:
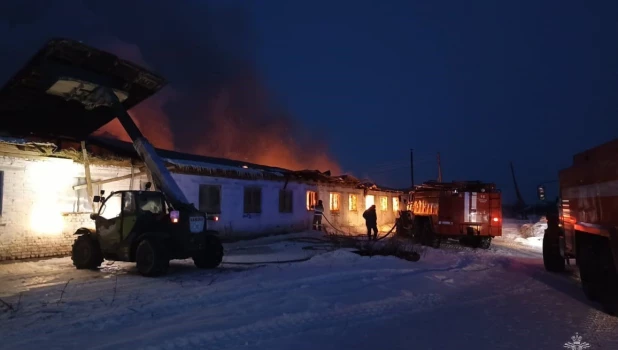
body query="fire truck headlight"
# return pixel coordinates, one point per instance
(495, 219)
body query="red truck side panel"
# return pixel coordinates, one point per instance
(452, 213)
(496, 214)
(589, 191)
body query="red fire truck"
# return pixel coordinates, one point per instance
(470, 211)
(584, 223)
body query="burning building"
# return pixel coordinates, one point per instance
(48, 178)
(43, 197)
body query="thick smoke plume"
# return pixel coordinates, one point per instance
(216, 103)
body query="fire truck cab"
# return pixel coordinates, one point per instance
(469, 211)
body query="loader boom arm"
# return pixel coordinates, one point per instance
(160, 174)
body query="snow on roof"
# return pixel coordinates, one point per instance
(23, 142)
(241, 170)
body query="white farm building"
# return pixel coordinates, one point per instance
(43, 196)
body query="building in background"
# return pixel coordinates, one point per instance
(43, 194)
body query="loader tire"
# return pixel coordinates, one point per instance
(86, 253)
(151, 258)
(553, 261)
(212, 254)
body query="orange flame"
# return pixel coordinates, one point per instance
(237, 123)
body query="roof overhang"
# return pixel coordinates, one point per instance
(53, 95)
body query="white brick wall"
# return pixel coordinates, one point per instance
(233, 223)
(36, 195)
(41, 211)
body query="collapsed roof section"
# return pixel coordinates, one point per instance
(55, 99)
(34, 101)
(118, 153)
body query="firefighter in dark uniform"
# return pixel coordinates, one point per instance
(371, 221)
(318, 211)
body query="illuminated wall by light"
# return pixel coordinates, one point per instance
(49, 181)
(383, 203)
(369, 200)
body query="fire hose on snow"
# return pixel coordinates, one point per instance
(348, 242)
(347, 235)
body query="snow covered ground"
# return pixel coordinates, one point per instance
(453, 298)
(528, 233)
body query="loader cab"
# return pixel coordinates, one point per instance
(126, 212)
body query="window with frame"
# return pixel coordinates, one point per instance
(286, 197)
(383, 203)
(129, 205)
(210, 199)
(112, 207)
(151, 201)
(312, 199)
(395, 204)
(335, 201)
(353, 202)
(82, 202)
(253, 200)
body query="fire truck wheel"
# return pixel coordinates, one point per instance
(553, 261)
(429, 238)
(485, 242)
(607, 278)
(587, 270)
(598, 272)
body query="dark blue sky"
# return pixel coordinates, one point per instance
(482, 82)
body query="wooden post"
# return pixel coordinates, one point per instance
(132, 175)
(88, 179)
(115, 179)
(149, 175)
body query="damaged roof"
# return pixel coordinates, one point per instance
(54, 97)
(52, 93)
(116, 150)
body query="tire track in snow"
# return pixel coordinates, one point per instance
(191, 300)
(181, 300)
(599, 327)
(298, 323)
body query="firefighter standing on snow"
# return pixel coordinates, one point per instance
(371, 221)
(318, 211)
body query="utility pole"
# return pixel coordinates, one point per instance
(411, 168)
(439, 169)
